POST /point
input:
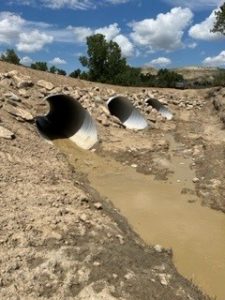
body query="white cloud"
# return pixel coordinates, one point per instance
(192, 45)
(33, 41)
(26, 60)
(216, 61)
(202, 31)
(14, 30)
(163, 33)
(117, 1)
(71, 4)
(160, 61)
(81, 33)
(110, 32)
(127, 48)
(10, 26)
(195, 4)
(57, 61)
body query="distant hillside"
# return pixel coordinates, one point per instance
(189, 73)
(194, 72)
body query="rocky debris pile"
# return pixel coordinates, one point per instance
(171, 100)
(21, 90)
(218, 96)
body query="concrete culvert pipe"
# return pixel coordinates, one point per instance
(67, 118)
(162, 109)
(129, 116)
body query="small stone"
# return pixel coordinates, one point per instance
(83, 217)
(195, 179)
(96, 263)
(134, 165)
(161, 268)
(121, 239)
(98, 205)
(164, 279)
(129, 276)
(23, 93)
(158, 248)
(6, 134)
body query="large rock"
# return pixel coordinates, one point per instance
(23, 82)
(21, 113)
(45, 84)
(6, 134)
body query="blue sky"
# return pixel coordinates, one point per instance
(159, 33)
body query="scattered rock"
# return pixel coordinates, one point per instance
(12, 96)
(195, 179)
(6, 134)
(45, 84)
(83, 217)
(134, 165)
(98, 205)
(21, 113)
(158, 248)
(164, 279)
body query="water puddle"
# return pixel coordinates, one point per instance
(160, 214)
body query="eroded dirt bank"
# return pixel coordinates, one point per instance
(58, 238)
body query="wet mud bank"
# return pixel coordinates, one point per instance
(166, 211)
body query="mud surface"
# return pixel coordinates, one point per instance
(58, 238)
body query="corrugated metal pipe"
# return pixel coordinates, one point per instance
(124, 110)
(162, 109)
(68, 119)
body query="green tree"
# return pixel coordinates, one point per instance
(129, 77)
(61, 72)
(10, 56)
(76, 73)
(104, 59)
(219, 25)
(166, 78)
(40, 65)
(53, 69)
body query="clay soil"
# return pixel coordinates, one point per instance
(58, 238)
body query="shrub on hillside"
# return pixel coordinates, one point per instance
(10, 56)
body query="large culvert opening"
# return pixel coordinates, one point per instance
(161, 108)
(67, 119)
(128, 115)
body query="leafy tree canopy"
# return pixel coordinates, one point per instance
(219, 25)
(104, 59)
(10, 56)
(40, 65)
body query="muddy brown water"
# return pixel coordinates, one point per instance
(160, 214)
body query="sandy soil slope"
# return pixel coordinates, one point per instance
(58, 238)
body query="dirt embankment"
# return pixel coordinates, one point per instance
(58, 238)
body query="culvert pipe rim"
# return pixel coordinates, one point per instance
(67, 118)
(161, 108)
(122, 108)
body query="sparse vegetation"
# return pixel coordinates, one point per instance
(10, 56)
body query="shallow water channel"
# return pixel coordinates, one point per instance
(160, 214)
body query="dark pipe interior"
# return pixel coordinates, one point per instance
(64, 119)
(155, 103)
(121, 108)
